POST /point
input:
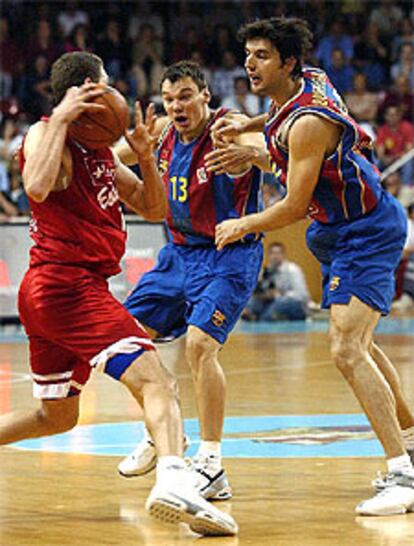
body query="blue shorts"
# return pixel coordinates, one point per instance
(199, 286)
(359, 258)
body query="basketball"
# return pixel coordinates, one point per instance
(104, 127)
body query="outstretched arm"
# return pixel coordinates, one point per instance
(124, 150)
(306, 155)
(147, 196)
(229, 127)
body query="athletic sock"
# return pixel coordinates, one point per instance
(172, 469)
(400, 464)
(212, 452)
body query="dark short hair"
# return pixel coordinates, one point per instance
(185, 69)
(72, 69)
(291, 37)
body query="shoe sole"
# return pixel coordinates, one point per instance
(202, 522)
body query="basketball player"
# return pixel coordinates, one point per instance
(358, 232)
(194, 288)
(73, 322)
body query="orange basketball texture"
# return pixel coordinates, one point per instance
(104, 127)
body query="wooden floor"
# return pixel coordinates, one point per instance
(62, 499)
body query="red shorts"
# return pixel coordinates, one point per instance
(73, 323)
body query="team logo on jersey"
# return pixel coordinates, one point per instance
(217, 318)
(202, 177)
(334, 283)
(163, 166)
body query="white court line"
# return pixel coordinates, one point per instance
(14, 377)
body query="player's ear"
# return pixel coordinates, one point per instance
(206, 95)
(88, 80)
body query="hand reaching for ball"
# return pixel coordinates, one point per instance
(142, 139)
(78, 100)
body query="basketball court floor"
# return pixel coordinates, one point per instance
(299, 453)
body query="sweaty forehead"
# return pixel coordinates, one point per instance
(184, 84)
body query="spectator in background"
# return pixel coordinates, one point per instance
(340, 72)
(405, 65)
(222, 42)
(406, 36)
(42, 43)
(223, 78)
(16, 194)
(404, 194)
(10, 59)
(399, 95)
(336, 39)
(394, 138)
(147, 61)
(7, 209)
(281, 293)
(387, 17)
(406, 301)
(35, 91)
(70, 17)
(242, 99)
(190, 41)
(10, 140)
(79, 39)
(114, 50)
(363, 104)
(143, 14)
(371, 56)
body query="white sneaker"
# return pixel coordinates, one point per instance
(143, 459)
(184, 504)
(381, 481)
(396, 498)
(212, 482)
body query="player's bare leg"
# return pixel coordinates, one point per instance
(404, 414)
(210, 388)
(156, 391)
(175, 496)
(53, 417)
(351, 331)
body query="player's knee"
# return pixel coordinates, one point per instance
(345, 352)
(57, 422)
(200, 349)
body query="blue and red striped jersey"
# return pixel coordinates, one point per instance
(199, 200)
(349, 181)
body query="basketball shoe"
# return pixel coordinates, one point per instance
(211, 478)
(175, 502)
(396, 497)
(380, 482)
(143, 459)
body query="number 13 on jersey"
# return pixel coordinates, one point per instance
(179, 186)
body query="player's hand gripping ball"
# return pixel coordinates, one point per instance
(103, 127)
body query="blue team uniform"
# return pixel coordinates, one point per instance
(192, 282)
(359, 229)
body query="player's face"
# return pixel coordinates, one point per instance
(186, 105)
(264, 67)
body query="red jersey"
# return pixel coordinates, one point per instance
(82, 225)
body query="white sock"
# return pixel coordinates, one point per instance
(171, 468)
(408, 437)
(400, 464)
(211, 450)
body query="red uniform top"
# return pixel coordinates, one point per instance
(82, 225)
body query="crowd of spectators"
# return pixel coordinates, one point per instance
(367, 49)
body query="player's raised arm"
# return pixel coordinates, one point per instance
(305, 159)
(229, 127)
(146, 197)
(45, 141)
(124, 150)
